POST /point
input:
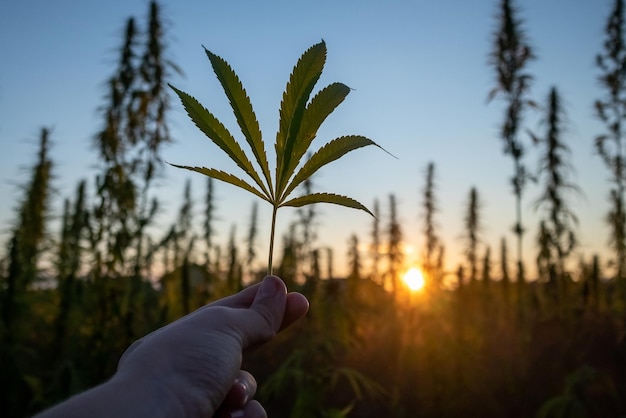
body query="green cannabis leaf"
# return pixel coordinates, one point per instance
(300, 119)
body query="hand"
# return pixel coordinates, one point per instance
(198, 357)
(191, 367)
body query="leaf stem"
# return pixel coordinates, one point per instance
(269, 263)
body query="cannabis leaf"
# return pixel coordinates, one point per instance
(300, 119)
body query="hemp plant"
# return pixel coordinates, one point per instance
(300, 119)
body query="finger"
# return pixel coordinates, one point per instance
(271, 301)
(243, 389)
(297, 307)
(243, 299)
(266, 313)
(269, 310)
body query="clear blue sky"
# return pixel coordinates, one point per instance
(420, 78)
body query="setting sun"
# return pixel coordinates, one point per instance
(414, 279)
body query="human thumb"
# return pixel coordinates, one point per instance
(266, 312)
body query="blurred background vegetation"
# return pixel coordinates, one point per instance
(479, 338)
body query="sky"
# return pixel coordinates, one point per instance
(419, 75)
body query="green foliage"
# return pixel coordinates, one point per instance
(316, 366)
(564, 406)
(584, 392)
(300, 119)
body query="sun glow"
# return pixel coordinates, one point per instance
(414, 279)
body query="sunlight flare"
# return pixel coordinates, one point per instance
(414, 279)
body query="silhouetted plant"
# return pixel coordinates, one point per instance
(153, 100)
(134, 129)
(26, 244)
(233, 272)
(178, 245)
(504, 261)
(307, 223)
(557, 232)
(216, 268)
(395, 254)
(315, 273)
(129, 143)
(209, 218)
(354, 258)
(68, 264)
(473, 225)
(510, 55)
(115, 188)
(611, 110)
(376, 243)
(594, 282)
(184, 243)
(429, 210)
(27, 237)
(544, 254)
(288, 268)
(299, 122)
(615, 218)
(504, 271)
(184, 229)
(252, 234)
(330, 263)
(486, 267)
(440, 265)
(590, 276)
(460, 277)
(588, 392)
